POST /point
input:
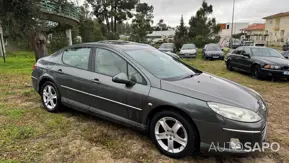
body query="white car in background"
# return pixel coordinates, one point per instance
(188, 51)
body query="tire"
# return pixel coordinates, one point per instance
(255, 72)
(186, 134)
(229, 66)
(50, 99)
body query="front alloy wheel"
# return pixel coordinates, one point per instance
(173, 134)
(256, 72)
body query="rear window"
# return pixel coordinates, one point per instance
(76, 57)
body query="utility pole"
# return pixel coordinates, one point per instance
(232, 26)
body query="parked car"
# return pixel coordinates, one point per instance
(285, 54)
(188, 51)
(213, 51)
(174, 55)
(182, 108)
(247, 43)
(260, 62)
(286, 46)
(236, 43)
(168, 47)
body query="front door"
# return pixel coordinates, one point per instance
(245, 60)
(115, 99)
(235, 59)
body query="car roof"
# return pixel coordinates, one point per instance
(119, 44)
(259, 47)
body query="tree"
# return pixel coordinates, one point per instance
(181, 31)
(202, 28)
(180, 34)
(112, 12)
(161, 25)
(19, 20)
(141, 24)
(90, 31)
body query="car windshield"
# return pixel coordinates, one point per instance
(266, 52)
(160, 64)
(213, 47)
(188, 46)
(167, 46)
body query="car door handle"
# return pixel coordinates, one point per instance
(60, 71)
(95, 80)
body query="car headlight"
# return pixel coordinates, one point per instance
(234, 113)
(194, 51)
(272, 67)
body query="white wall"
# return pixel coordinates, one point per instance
(236, 29)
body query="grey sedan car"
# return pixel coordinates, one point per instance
(182, 109)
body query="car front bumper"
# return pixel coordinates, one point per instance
(214, 56)
(274, 73)
(188, 55)
(218, 137)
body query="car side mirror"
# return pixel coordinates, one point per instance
(123, 79)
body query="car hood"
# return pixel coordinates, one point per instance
(210, 88)
(165, 49)
(214, 52)
(188, 51)
(274, 60)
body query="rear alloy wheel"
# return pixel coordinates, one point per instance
(172, 134)
(50, 97)
(255, 72)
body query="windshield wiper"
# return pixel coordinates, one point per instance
(189, 76)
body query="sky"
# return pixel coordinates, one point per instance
(246, 11)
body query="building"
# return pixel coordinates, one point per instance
(256, 32)
(226, 29)
(277, 28)
(159, 36)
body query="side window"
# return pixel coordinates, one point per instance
(76, 57)
(247, 51)
(109, 63)
(135, 76)
(238, 51)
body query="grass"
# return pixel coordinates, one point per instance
(30, 134)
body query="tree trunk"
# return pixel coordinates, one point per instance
(111, 24)
(107, 24)
(38, 43)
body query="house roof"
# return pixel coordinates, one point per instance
(281, 14)
(254, 27)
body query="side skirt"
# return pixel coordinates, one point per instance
(102, 114)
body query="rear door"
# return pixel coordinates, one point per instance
(115, 99)
(73, 75)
